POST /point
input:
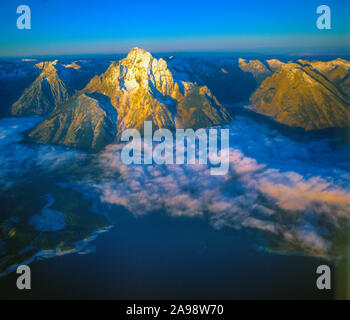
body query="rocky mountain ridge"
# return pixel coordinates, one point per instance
(139, 88)
(310, 95)
(178, 92)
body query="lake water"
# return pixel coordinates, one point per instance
(161, 257)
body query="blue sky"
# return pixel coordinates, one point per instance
(98, 26)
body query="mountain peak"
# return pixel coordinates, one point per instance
(274, 64)
(141, 70)
(139, 56)
(46, 64)
(255, 67)
(138, 51)
(47, 91)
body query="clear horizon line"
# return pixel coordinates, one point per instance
(221, 51)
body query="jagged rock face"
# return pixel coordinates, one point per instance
(300, 96)
(87, 121)
(47, 91)
(140, 88)
(256, 68)
(54, 85)
(143, 88)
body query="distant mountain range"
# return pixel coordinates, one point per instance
(89, 109)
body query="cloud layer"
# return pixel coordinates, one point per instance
(20, 161)
(293, 189)
(296, 190)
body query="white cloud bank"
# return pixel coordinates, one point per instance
(287, 187)
(295, 190)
